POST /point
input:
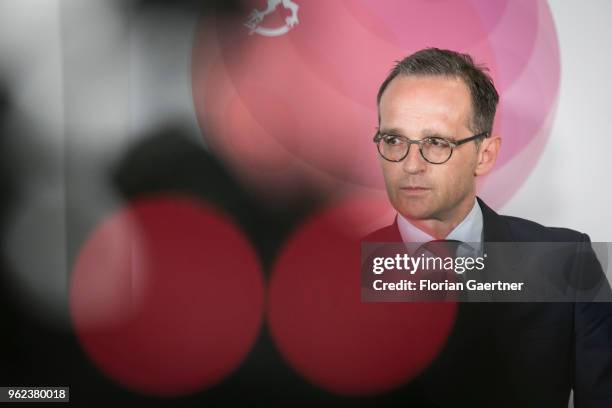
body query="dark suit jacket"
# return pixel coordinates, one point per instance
(519, 354)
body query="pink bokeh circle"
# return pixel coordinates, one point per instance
(300, 107)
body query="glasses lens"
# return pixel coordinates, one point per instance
(436, 150)
(392, 148)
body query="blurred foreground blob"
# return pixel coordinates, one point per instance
(167, 296)
(170, 161)
(323, 329)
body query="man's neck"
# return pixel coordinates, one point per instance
(440, 228)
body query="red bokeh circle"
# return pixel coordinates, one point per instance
(166, 296)
(322, 328)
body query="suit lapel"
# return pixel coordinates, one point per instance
(495, 228)
(500, 247)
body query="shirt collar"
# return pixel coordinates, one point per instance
(469, 229)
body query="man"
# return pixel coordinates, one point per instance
(436, 111)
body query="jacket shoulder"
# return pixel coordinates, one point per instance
(526, 230)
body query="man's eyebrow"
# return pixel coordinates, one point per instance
(424, 133)
(434, 133)
(392, 131)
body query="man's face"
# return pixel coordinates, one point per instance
(417, 107)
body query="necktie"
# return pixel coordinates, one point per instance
(439, 257)
(442, 247)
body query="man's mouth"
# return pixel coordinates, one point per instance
(414, 189)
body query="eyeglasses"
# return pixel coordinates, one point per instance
(435, 150)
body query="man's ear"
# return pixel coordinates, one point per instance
(487, 155)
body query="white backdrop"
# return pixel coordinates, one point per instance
(571, 185)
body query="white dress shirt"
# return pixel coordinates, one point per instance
(468, 231)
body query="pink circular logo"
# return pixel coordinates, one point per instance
(287, 95)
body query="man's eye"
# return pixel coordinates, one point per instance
(436, 142)
(392, 140)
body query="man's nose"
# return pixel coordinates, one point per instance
(414, 163)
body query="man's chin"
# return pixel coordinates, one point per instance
(415, 212)
(416, 216)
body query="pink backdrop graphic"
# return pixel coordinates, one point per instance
(300, 107)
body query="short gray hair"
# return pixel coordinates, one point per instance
(438, 62)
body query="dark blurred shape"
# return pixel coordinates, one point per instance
(169, 162)
(222, 8)
(7, 187)
(4, 101)
(5, 184)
